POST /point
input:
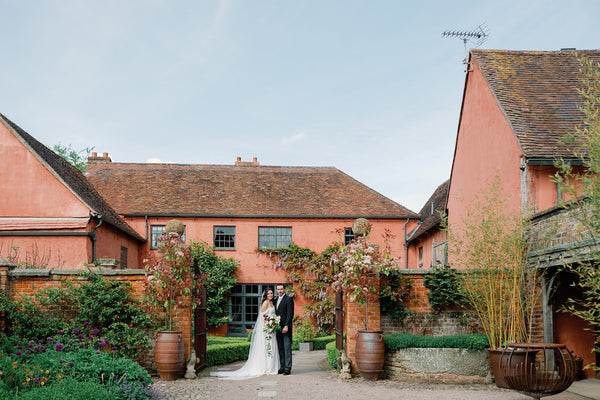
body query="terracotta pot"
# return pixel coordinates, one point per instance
(504, 364)
(370, 353)
(168, 354)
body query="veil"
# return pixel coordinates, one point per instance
(258, 362)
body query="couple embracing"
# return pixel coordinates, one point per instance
(270, 349)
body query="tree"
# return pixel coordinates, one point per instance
(78, 159)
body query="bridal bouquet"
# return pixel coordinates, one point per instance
(271, 326)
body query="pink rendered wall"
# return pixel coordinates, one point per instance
(542, 190)
(485, 146)
(59, 251)
(109, 242)
(426, 241)
(28, 189)
(315, 234)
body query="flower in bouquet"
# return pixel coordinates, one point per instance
(271, 326)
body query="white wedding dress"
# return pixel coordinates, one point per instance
(260, 362)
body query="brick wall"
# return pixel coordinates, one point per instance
(354, 317)
(26, 282)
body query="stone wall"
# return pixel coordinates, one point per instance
(16, 283)
(436, 361)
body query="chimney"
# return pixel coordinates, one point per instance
(253, 163)
(94, 159)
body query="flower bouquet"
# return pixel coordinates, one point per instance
(271, 326)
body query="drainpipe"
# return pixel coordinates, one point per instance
(406, 245)
(146, 219)
(93, 237)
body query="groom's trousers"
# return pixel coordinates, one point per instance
(284, 345)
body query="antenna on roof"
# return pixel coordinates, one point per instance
(478, 35)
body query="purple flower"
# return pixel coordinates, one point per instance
(59, 347)
(36, 349)
(97, 351)
(71, 364)
(71, 340)
(27, 351)
(42, 349)
(32, 342)
(75, 330)
(114, 347)
(41, 341)
(94, 332)
(49, 339)
(86, 323)
(18, 352)
(80, 337)
(19, 347)
(61, 361)
(59, 333)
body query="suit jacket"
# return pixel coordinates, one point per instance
(286, 312)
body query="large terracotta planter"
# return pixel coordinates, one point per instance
(168, 354)
(370, 353)
(502, 364)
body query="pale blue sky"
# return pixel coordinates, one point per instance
(369, 87)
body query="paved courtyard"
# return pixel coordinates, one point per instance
(312, 378)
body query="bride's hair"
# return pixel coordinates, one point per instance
(265, 293)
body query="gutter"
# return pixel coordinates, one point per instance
(175, 215)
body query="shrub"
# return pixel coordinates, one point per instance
(443, 288)
(403, 341)
(332, 354)
(46, 364)
(226, 353)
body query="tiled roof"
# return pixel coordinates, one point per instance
(431, 212)
(71, 177)
(206, 190)
(537, 91)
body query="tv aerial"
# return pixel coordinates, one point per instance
(478, 36)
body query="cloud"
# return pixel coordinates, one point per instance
(295, 138)
(158, 161)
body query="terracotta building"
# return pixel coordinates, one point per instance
(517, 109)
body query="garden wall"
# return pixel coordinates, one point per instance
(436, 361)
(17, 283)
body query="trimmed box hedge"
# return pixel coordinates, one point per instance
(403, 341)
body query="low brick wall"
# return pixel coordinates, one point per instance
(17, 283)
(436, 361)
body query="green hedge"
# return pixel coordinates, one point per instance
(403, 341)
(219, 354)
(318, 343)
(332, 354)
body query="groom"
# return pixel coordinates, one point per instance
(285, 309)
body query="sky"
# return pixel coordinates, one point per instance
(369, 87)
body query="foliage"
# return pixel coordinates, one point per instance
(443, 288)
(226, 353)
(319, 343)
(403, 341)
(78, 355)
(34, 257)
(105, 303)
(394, 295)
(313, 275)
(219, 279)
(587, 181)
(171, 277)
(332, 354)
(490, 249)
(78, 159)
(305, 332)
(361, 263)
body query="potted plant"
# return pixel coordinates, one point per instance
(490, 251)
(305, 333)
(361, 263)
(170, 281)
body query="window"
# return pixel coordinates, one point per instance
(274, 237)
(224, 237)
(156, 232)
(420, 256)
(123, 257)
(244, 304)
(348, 235)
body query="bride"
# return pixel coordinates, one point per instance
(263, 358)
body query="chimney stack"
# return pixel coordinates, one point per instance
(253, 163)
(94, 159)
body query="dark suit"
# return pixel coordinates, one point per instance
(285, 310)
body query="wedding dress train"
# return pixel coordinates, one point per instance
(260, 360)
